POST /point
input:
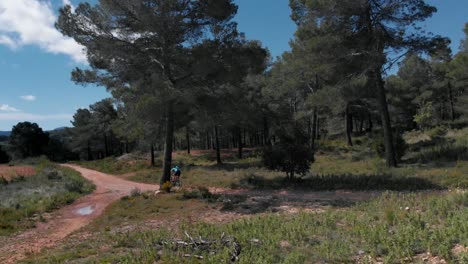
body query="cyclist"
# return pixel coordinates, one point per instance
(175, 177)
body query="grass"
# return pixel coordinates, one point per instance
(23, 200)
(138, 208)
(393, 228)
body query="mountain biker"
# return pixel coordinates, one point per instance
(176, 172)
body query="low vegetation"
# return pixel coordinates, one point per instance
(393, 228)
(24, 199)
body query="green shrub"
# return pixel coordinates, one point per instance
(447, 152)
(426, 116)
(437, 132)
(3, 181)
(201, 193)
(291, 155)
(399, 144)
(4, 157)
(75, 185)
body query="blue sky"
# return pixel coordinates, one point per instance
(35, 60)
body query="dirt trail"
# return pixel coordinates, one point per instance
(70, 218)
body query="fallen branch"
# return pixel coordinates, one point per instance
(211, 247)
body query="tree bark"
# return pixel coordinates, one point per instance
(349, 126)
(452, 108)
(386, 123)
(317, 128)
(218, 151)
(370, 124)
(106, 147)
(90, 155)
(187, 138)
(314, 130)
(239, 143)
(152, 155)
(266, 131)
(244, 142)
(168, 144)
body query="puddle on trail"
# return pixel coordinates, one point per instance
(85, 210)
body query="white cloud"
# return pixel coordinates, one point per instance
(7, 108)
(9, 42)
(28, 98)
(33, 117)
(31, 22)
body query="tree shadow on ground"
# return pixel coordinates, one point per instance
(348, 182)
(227, 166)
(255, 204)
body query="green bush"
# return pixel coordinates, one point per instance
(448, 152)
(291, 155)
(426, 116)
(399, 144)
(3, 181)
(4, 157)
(201, 193)
(437, 132)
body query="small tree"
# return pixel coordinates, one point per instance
(4, 158)
(426, 116)
(291, 155)
(28, 140)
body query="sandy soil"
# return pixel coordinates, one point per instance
(70, 218)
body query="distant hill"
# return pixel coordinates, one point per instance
(58, 129)
(7, 133)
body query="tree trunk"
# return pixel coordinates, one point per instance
(152, 156)
(314, 130)
(126, 146)
(218, 151)
(317, 129)
(266, 131)
(370, 124)
(244, 142)
(187, 138)
(452, 108)
(106, 147)
(349, 126)
(90, 155)
(168, 144)
(239, 143)
(386, 123)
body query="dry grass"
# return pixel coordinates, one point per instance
(11, 172)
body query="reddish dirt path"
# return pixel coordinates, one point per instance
(68, 219)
